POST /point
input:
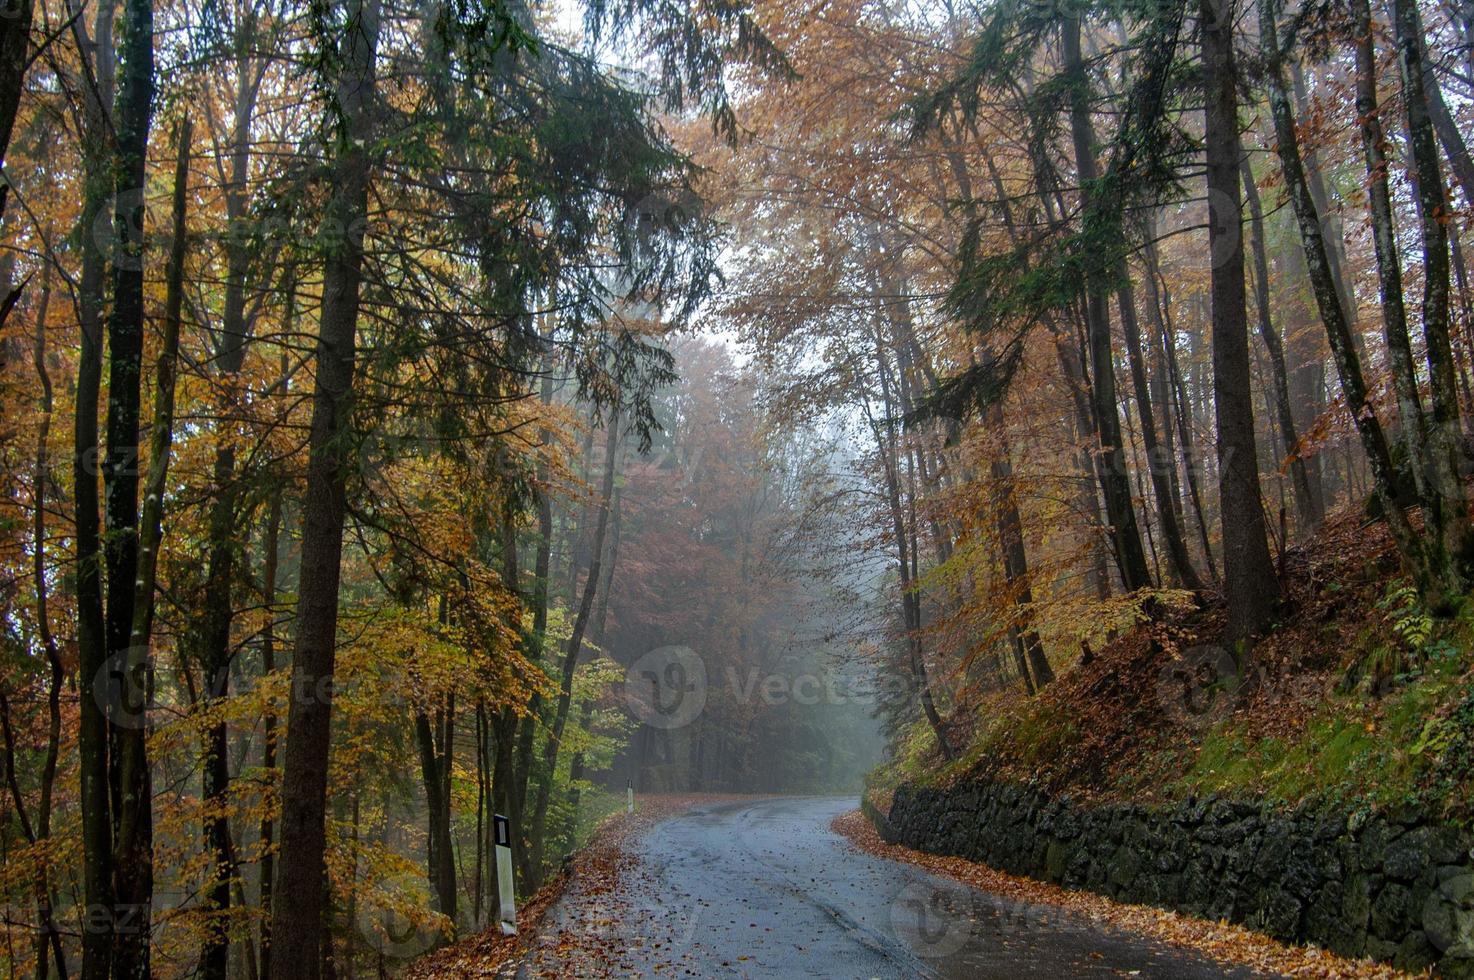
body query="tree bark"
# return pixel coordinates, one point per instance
(1446, 508)
(575, 644)
(297, 920)
(1157, 466)
(1447, 128)
(269, 722)
(47, 936)
(15, 50)
(1111, 464)
(1328, 301)
(1009, 525)
(1250, 584)
(1307, 503)
(596, 635)
(435, 763)
(133, 846)
(94, 727)
(217, 614)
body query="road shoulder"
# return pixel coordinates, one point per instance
(591, 870)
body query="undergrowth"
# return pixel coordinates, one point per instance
(1358, 697)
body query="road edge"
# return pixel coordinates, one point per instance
(1220, 941)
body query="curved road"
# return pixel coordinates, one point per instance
(765, 889)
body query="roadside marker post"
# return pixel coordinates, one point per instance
(629, 793)
(508, 902)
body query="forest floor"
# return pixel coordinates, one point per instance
(1354, 695)
(1225, 943)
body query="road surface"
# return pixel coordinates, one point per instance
(763, 888)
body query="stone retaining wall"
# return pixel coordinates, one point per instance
(1395, 887)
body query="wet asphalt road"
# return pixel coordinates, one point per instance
(765, 889)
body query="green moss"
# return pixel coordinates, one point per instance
(1351, 749)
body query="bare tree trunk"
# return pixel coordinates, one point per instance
(47, 935)
(1157, 466)
(1410, 419)
(94, 728)
(434, 765)
(1111, 464)
(133, 847)
(1328, 299)
(212, 633)
(575, 644)
(1016, 567)
(1250, 584)
(1306, 502)
(1445, 505)
(596, 634)
(15, 50)
(520, 770)
(1449, 134)
(268, 724)
(885, 444)
(297, 921)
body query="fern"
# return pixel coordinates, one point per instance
(1409, 620)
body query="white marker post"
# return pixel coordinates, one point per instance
(508, 902)
(629, 792)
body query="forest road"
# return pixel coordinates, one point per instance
(764, 888)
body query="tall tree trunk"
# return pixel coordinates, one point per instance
(503, 795)
(1334, 236)
(1449, 134)
(521, 769)
(575, 644)
(297, 920)
(435, 762)
(94, 727)
(1249, 580)
(15, 50)
(1306, 502)
(596, 635)
(137, 825)
(886, 446)
(217, 614)
(133, 848)
(1016, 566)
(1445, 505)
(1111, 465)
(1410, 419)
(48, 937)
(268, 723)
(1328, 300)
(1157, 466)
